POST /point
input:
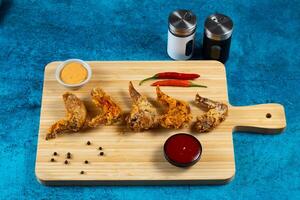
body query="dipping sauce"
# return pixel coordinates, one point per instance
(73, 73)
(182, 150)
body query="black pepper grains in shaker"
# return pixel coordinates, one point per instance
(88, 143)
(55, 153)
(52, 160)
(217, 37)
(66, 162)
(101, 154)
(82, 172)
(86, 162)
(100, 148)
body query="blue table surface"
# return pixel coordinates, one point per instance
(264, 66)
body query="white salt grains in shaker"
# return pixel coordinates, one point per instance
(181, 34)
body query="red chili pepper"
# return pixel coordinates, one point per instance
(177, 83)
(172, 75)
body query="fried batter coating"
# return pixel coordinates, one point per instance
(109, 110)
(75, 116)
(177, 114)
(143, 115)
(216, 113)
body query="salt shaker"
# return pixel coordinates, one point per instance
(181, 34)
(217, 37)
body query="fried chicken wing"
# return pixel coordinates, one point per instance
(76, 115)
(177, 114)
(109, 110)
(143, 115)
(216, 113)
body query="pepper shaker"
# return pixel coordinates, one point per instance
(181, 34)
(217, 37)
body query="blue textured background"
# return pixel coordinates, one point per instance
(264, 67)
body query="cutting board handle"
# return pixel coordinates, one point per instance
(262, 118)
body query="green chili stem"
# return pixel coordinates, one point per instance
(197, 85)
(150, 78)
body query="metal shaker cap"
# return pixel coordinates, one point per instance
(218, 27)
(182, 22)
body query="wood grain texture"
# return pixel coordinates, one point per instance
(137, 158)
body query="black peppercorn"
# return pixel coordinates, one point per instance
(86, 162)
(100, 148)
(82, 172)
(52, 160)
(55, 153)
(68, 155)
(66, 162)
(88, 143)
(101, 153)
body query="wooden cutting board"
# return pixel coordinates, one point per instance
(137, 158)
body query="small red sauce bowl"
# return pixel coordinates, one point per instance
(182, 150)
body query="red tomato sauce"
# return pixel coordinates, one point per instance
(182, 150)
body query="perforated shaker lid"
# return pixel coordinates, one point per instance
(218, 27)
(182, 22)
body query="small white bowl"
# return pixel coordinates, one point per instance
(73, 86)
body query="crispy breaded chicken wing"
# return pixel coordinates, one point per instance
(216, 113)
(177, 114)
(143, 115)
(75, 117)
(109, 110)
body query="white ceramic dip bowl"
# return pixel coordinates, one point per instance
(77, 85)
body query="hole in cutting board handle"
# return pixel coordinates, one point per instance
(268, 115)
(271, 120)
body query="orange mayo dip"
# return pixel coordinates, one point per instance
(73, 73)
